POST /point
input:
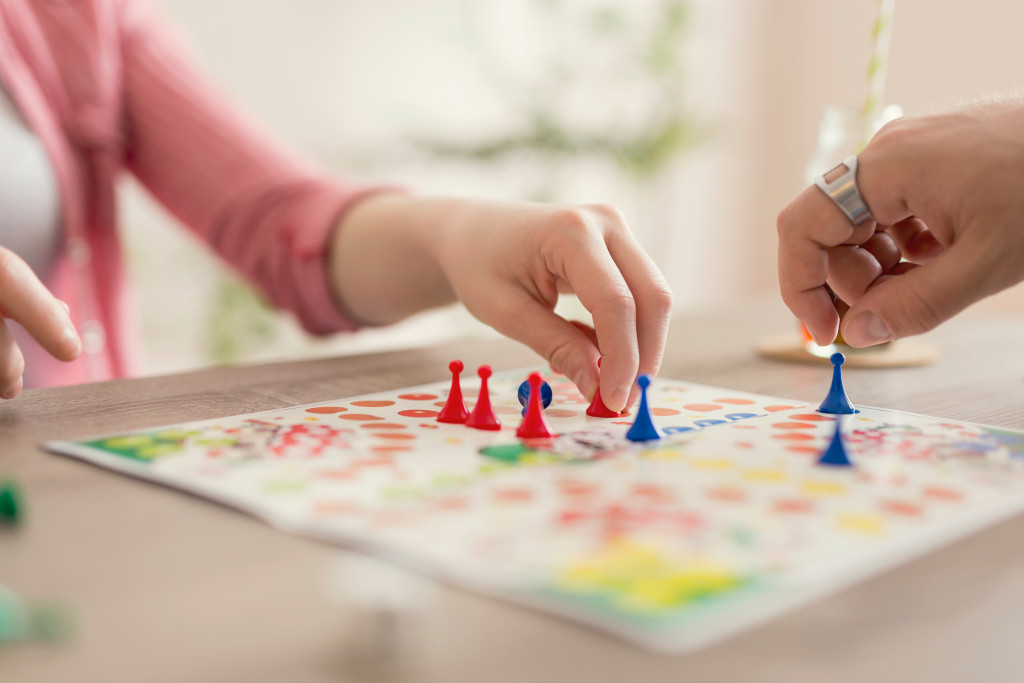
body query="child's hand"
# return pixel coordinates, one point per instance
(24, 299)
(508, 262)
(946, 192)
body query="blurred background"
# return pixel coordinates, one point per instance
(697, 118)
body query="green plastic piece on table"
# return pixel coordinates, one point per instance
(10, 503)
(21, 621)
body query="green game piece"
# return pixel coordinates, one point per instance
(21, 621)
(10, 503)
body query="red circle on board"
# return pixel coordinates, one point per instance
(419, 397)
(775, 409)
(417, 412)
(383, 425)
(804, 449)
(735, 401)
(792, 425)
(390, 449)
(395, 436)
(664, 412)
(812, 417)
(360, 416)
(794, 436)
(326, 410)
(702, 407)
(373, 404)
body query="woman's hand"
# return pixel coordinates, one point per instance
(507, 262)
(25, 300)
(947, 194)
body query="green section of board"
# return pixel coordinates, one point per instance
(145, 447)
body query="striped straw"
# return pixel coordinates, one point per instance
(880, 33)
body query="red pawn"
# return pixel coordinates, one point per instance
(482, 416)
(454, 411)
(534, 425)
(597, 407)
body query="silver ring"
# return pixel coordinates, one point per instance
(843, 191)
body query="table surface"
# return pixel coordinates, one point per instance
(164, 586)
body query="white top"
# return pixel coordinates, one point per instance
(29, 197)
(30, 222)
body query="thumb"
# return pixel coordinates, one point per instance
(920, 297)
(563, 344)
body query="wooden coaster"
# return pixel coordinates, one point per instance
(901, 353)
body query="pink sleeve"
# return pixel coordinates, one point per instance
(264, 210)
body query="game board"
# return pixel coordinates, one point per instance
(672, 544)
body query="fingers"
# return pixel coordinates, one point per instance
(807, 228)
(25, 299)
(567, 347)
(12, 364)
(651, 293)
(915, 240)
(602, 289)
(917, 299)
(852, 269)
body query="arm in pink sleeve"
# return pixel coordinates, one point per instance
(262, 209)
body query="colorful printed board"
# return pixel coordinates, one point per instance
(671, 544)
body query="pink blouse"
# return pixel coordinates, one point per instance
(106, 86)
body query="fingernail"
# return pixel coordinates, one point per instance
(13, 391)
(619, 397)
(868, 330)
(70, 344)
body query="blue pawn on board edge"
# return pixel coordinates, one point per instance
(835, 454)
(837, 402)
(545, 395)
(643, 428)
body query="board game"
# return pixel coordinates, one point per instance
(724, 522)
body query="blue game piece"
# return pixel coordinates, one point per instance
(643, 428)
(837, 402)
(524, 395)
(835, 454)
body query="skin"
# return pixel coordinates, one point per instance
(945, 193)
(507, 262)
(392, 256)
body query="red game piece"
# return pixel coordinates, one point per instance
(482, 416)
(534, 425)
(454, 411)
(597, 407)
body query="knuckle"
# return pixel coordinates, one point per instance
(662, 300)
(611, 213)
(784, 221)
(620, 305)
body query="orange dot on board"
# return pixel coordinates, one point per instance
(735, 401)
(419, 397)
(383, 425)
(702, 407)
(792, 425)
(326, 410)
(794, 436)
(360, 417)
(812, 417)
(775, 409)
(373, 404)
(416, 412)
(664, 412)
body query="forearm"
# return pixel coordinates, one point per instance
(383, 258)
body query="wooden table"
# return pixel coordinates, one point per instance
(168, 587)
